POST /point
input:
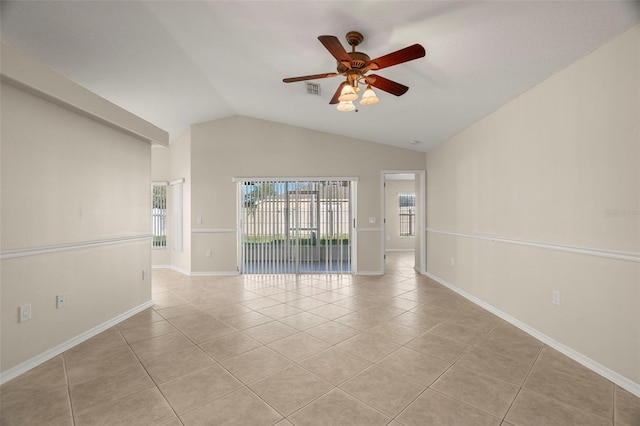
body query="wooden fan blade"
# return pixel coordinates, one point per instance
(387, 85)
(409, 53)
(336, 95)
(334, 47)
(309, 77)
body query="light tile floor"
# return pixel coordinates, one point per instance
(313, 350)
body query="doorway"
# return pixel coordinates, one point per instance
(293, 226)
(403, 207)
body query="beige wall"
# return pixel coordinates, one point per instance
(551, 167)
(245, 147)
(392, 226)
(75, 221)
(180, 151)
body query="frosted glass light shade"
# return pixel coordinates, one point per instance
(346, 106)
(369, 97)
(347, 94)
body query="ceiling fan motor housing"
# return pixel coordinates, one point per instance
(358, 61)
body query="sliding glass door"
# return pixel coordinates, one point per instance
(296, 226)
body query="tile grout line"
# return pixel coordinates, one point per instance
(521, 387)
(151, 378)
(66, 379)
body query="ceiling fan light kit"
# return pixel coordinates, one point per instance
(355, 67)
(348, 93)
(369, 97)
(346, 106)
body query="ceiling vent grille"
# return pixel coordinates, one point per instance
(313, 89)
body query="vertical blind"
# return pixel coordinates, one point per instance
(292, 226)
(159, 215)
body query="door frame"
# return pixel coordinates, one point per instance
(353, 194)
(420, 264)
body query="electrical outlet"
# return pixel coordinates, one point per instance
(60, 299)
(555, 297)
(145, 275)
(24, 313)
(208, 253)
(199, 220)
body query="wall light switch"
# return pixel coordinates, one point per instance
(199, 220)
(24, 313)
(555, 297)
(60, 301)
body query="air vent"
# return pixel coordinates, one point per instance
(313, 89)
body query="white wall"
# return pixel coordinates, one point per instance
(557, 166)
(180, 151)
(245, 147)
(76, 212)
(394, 242)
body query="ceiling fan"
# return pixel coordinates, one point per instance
(355, 67)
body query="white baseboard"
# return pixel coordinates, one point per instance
(212, 273)
(196, 273)
(173, 268)
(594, 366)
(369, 273)
(19, 369)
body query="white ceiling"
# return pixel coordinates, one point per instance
(176, 63)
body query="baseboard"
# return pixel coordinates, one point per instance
(369, 273)
(173, 268)
(399, 250)
(592, 365)
(212, 273)
(47, 355)
(197, 273)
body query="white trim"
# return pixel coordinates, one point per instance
(214, 230)
(405, 250)
(422, 222)
(180, 270)
(47, 355)
(196, 273)
(628, 256)
(294, 179)
(369, 273)
(598, 368)
(369, 229)
(37, 251)
(176, 181)
(212, 273)
(419, 177)
(159, 183)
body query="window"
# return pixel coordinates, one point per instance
(407, 214)
(159, 215)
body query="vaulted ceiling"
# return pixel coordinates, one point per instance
(176, 63)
